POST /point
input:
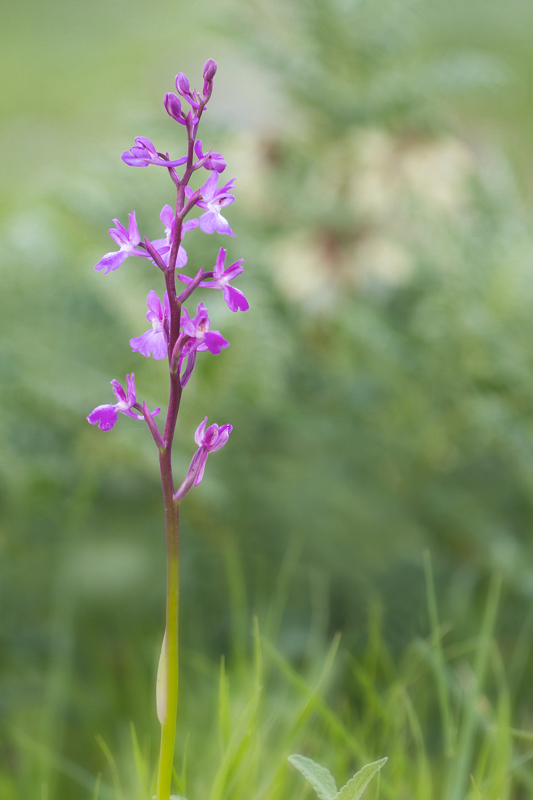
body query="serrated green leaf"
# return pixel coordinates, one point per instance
(357, 785)
(319, 777)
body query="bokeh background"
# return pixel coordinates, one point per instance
(380, 387)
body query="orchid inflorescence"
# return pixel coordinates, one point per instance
(175, 334)
(179, 336)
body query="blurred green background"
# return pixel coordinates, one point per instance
(380, 387)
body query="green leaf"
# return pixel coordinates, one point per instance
(319, 777)
(355, 788)
(161, 683)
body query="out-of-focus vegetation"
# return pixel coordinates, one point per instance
(380, 386)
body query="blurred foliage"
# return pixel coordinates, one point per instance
(442, 712)
(380, 386)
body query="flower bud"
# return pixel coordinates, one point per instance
(173, 106)
(210, 68)
(182, 84)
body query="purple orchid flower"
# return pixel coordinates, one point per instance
(163, 245)
(105, 416)
(183, 88)
(208, 441)
(213, 161)
(213, 199)
(210, 68)
(234, 298)
(155, 341)
(173, 107)
(144, 153)
(199, 337)
(127, 240)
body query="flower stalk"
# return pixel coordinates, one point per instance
(170, 642)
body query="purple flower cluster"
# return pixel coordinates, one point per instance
(175, 334)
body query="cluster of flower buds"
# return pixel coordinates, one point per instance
(175, 334)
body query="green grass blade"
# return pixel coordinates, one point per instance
(140, 765)
(312, 695)
(223, 707)
(439, 663)
(181, 779)
(63, 765)
(238, 602)
(258, 654)
(112, 765)
(233, 753)
(96, 793)
(423, 772)
(465, 741)
(281, 589)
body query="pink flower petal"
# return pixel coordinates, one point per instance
(199, 433)
(111, 261)
(208, 222)
(104, 416)
(235, 299)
